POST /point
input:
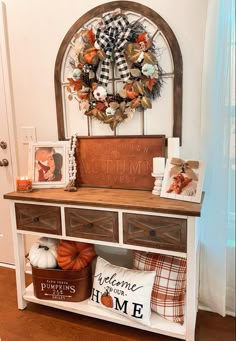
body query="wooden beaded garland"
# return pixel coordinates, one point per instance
(72, 168)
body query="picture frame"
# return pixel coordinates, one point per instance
(48, 164)
(183, 180)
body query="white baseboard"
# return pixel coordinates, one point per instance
(28, 268)
(7, 265)
(229, 313)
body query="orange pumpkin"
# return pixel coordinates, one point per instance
(90, 56)
(74, 255)
(130, 92)
(83, 94)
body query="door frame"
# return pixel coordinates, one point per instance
(8, 110)
(6, 74)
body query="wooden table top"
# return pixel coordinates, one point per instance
(110, 198)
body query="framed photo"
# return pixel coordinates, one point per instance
(48, 164)
(183, 180)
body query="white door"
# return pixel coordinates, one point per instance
(6, 159)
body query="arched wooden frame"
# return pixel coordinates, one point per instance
(168, 34)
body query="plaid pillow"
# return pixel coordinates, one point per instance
(168, 293)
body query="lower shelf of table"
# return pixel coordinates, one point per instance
(158, 324)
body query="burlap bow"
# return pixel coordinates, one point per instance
(184, 167)
(112, 36)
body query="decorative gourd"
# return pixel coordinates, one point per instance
(74, 255)
(43, 254)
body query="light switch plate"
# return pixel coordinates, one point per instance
(28, 134)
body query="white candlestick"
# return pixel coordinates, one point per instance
(158, 165)
(173, 147)
(158, 183)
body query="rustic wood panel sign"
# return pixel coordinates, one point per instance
(118, 162)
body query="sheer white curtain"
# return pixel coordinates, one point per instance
(217, 117)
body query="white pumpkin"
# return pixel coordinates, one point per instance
(43, 254)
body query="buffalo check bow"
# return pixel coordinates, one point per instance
(111, 37)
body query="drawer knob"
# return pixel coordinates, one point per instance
(89, 225)
(36, 219)
(152, 233)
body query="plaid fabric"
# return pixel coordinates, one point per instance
(112, 37)
(168, 293)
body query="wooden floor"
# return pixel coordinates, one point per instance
(39, 323)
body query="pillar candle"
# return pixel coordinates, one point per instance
(158, 165)
(23, 184)
(173, 147)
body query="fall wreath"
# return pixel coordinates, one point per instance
(114, 41)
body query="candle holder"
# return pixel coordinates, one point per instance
(24, 184)
(158, 183)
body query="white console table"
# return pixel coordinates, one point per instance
(109, 217)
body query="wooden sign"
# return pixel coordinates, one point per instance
(118, 161)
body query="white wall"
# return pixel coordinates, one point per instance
(36, 29)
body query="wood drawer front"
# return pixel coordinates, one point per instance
(91, 224)
(38, 218)
(157, 232)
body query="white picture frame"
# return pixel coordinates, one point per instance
(48, 164)
(187, 189)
